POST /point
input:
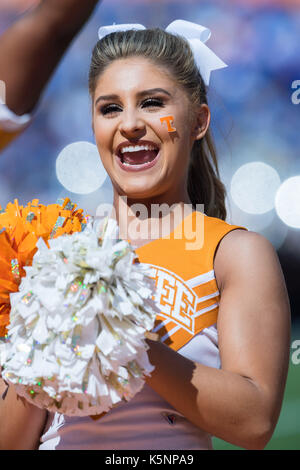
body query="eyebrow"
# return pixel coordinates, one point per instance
(140, 94)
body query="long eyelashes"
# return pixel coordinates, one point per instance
(110, 109)
(148, 103)
(153, 102)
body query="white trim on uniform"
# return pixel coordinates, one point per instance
(204, 310)
(207, 297)
(160, 325)
(201, 279)
(10, 122)
(170, 333)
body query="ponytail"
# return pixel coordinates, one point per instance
(204, 185)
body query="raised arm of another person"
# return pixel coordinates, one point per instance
(33, 46)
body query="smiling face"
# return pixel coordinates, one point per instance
(143, 159)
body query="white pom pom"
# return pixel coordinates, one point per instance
(76, 341)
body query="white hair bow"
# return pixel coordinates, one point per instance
(196, 35)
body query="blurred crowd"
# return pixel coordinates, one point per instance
(253, 115)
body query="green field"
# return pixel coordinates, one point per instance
(287, 432)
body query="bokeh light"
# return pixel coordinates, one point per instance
(79, 168)
(253, 187)
(254, 222)
(287, 202)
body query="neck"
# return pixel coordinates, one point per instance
(144, 220)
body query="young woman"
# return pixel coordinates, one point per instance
(222, 359)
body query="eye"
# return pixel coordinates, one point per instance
(110, 109)
(153, 102)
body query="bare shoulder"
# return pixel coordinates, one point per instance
(242, 251)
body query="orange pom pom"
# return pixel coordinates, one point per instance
(20, 229)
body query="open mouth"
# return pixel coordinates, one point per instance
(138, 157)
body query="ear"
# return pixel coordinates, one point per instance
(201, 121)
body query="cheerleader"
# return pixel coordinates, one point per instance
(30, 51)
(224, 324)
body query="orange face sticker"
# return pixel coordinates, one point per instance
(168, 120)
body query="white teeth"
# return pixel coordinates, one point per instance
(131, 164)
(137, 148)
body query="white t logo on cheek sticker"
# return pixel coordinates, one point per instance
(168, 120)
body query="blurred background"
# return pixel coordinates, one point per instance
(255, 106)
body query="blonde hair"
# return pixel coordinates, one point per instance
(174, 53)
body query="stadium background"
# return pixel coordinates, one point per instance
(254, 119)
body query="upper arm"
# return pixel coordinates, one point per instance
(21, 422)
(254, 314)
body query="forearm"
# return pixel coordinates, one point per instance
(67, 16)
(31, 49)
(224, 404)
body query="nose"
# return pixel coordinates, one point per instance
(131, 124)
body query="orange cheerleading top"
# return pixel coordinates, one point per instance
(186, 288)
